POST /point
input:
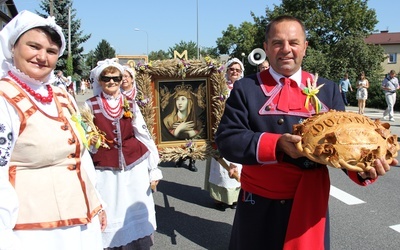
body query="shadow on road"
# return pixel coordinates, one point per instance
(203, 232)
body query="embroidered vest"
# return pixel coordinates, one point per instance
(125, 151)
(45, 166)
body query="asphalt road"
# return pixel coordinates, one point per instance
(361, 217)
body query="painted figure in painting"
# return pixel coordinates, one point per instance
(182, 122)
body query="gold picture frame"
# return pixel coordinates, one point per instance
(159, 81)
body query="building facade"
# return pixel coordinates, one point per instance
(390, 42)
(7, 12)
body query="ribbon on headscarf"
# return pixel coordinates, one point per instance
(311, 91)
(101, 65)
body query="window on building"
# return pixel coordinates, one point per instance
(392, 58)
(3, 8)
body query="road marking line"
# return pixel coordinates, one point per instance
(345, 197)
(396, 227)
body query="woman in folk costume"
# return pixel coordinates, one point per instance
(219, 182)
(47, 179)
(128, 85)
(126, 163)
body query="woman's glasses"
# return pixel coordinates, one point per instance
(109, 78)
(237, 70)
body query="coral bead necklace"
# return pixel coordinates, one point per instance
(114, 112)
(37, 96)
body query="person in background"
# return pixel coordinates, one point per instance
(61, 80)
(128, 85)
(126, 163)
(344, 86)
(283, 202)
(389, 86)
(47, 178)
(218, 181)
(83, 86)
(263, 66)
(362, 92)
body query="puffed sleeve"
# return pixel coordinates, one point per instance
(143, 135)
(9, 125)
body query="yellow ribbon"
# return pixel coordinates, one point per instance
(78, 124)
(101, 140)
(311, 92)
(312, 95)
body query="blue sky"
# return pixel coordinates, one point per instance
(167, 23)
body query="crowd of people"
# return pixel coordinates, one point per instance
(93, 190)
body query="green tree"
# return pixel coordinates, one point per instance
(70, 67)
(335, 31)
(60, 10)
(103, 51)
(159, 55)
(235, 41)
(191, 48)
(209, 51)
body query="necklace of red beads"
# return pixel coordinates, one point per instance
(37, 96)
(114, 112)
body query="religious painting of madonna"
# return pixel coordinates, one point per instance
(183, 110)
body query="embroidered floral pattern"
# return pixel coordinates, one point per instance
(5, 145)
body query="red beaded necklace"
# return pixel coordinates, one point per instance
(37, 96)
(114, 112)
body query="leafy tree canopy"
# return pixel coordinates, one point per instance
(60, 11)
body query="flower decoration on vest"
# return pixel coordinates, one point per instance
(311, 91)
(95, 136)
(127, 111)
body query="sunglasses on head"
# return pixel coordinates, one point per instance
(109, 78)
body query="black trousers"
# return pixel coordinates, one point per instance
(261, 223)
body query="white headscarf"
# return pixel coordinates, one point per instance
(133, 74)
(228, 64)
(101, 65)
(21, 23)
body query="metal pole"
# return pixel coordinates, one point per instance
(51, 7)
(197, 1)
(69, 31)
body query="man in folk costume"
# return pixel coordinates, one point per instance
(283, 202)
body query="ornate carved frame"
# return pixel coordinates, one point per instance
(178, 69)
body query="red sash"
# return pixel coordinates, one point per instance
(309, 190)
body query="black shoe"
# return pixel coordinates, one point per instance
(191, 166)
(233, 206)
(220, 206)
(179, 163)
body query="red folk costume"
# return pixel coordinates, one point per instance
(254, 117)
(125, 149)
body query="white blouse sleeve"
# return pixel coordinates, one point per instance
(143, 135)
(9, 127)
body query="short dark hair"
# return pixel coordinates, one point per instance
(54, 36)
(281, 19)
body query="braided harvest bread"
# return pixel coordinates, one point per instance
(345, 140)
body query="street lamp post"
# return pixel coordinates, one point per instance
(243, 55)
(147, 39)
